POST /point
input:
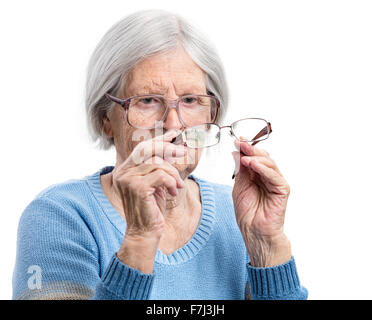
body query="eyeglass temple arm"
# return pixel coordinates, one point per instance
(266, 130)
(112, 98)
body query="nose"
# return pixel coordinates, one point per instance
(172, 121)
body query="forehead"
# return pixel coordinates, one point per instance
(165, 72)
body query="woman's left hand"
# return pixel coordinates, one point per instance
(260, 198)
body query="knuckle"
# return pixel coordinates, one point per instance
(169, 167)
(162, 176)
(167, 178)
(172, 168)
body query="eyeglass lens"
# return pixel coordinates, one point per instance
(250, 129)
(193, 110)
(201, 136)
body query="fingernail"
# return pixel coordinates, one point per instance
(236, 157)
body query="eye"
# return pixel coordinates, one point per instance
(146, 100)
(189, 100)
(151, 102)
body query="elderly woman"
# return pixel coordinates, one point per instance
(147, 228)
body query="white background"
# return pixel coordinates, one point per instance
(306, 66)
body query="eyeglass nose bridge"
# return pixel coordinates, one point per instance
(231, 133)
(173, 104)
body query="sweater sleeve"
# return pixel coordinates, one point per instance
(57, 258)
(275, 283)
(121, 282)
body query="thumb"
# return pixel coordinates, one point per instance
(236, 156)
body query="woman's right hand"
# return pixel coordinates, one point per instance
(141, 182)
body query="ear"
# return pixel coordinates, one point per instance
(107, 127)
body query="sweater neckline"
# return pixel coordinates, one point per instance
(197, 241)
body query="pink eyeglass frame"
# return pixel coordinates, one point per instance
(125, 103)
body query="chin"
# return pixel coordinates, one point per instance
(186, 165)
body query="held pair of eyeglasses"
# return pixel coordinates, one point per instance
(205, 135)
(251, 130)
(197, 113)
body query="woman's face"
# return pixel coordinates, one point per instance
(171, 74)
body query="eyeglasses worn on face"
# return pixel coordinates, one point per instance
(146, 111)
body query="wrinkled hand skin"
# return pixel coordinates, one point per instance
(260, 196)
(141, 187)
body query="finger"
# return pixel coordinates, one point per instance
(273, 181)
(159, 163)
(160, 148)
(268, 162)
(169, 135)
(159, 178)
(236, 155)
(249, 150)
(154, 147)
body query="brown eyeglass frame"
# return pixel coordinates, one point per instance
(125, 103)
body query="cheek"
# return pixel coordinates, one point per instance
(131, 137)
(125, 140)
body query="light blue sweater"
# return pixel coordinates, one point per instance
(69, 234)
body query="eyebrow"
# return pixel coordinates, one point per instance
(162, 90)
(148, 89)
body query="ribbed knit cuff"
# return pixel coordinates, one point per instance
(273, 282)
(125, 282)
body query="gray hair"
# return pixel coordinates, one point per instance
(130, 41)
